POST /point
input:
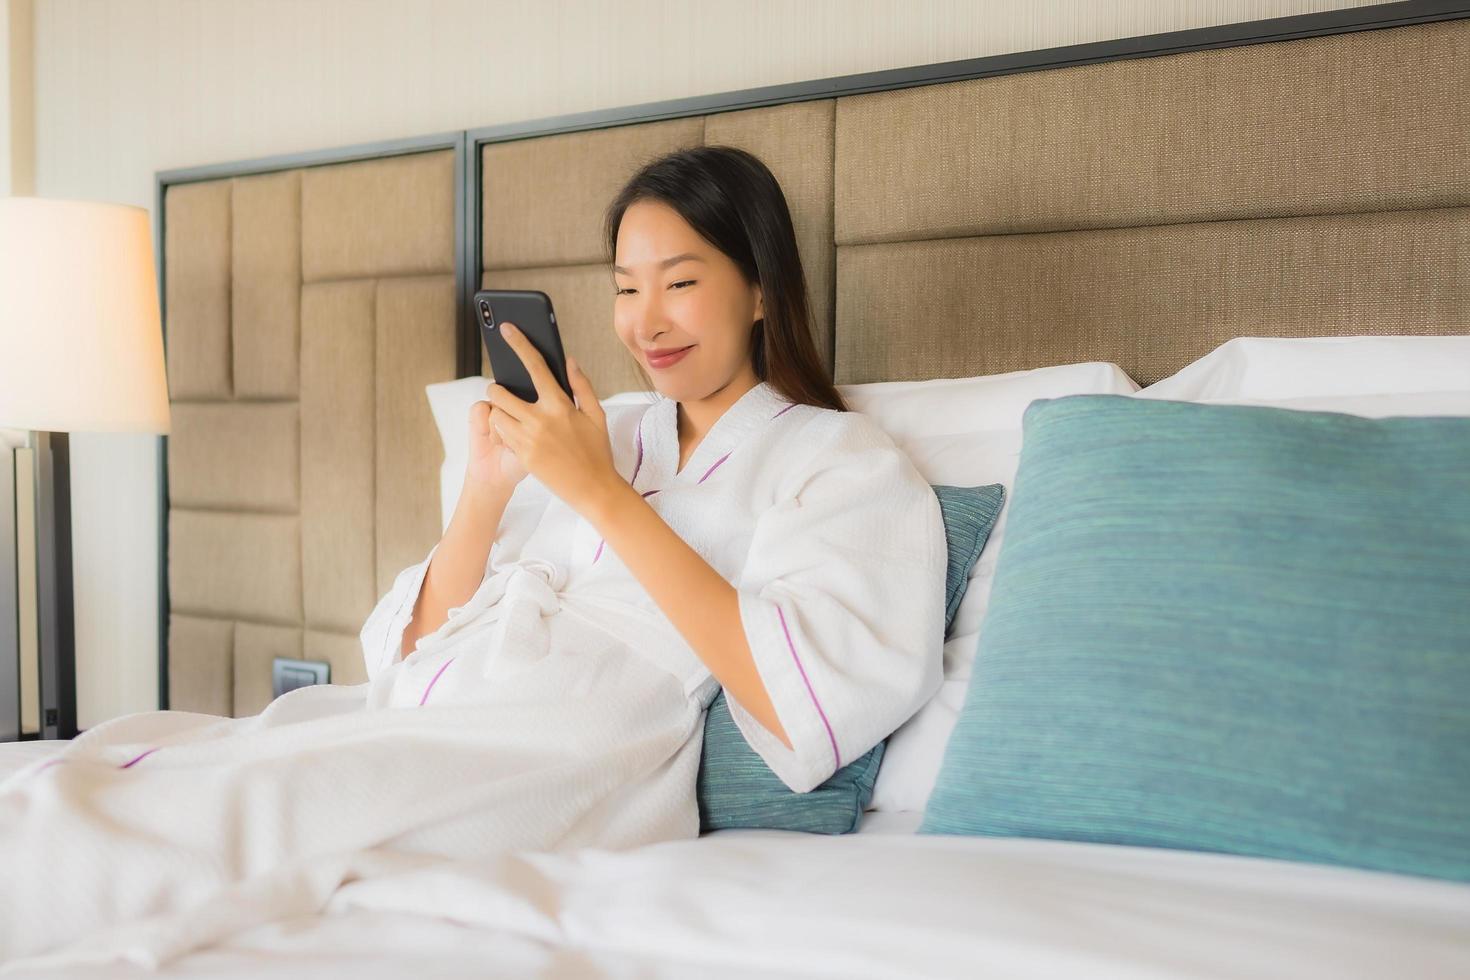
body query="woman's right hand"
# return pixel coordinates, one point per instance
(492, 464)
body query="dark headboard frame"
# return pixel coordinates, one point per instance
(469, 176)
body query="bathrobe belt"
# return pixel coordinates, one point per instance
(514, 589)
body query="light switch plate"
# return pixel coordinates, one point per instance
(288, 674)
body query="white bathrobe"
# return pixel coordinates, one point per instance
(556, 708)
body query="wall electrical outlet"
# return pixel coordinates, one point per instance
(288, 674)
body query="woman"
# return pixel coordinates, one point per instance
(539, 680)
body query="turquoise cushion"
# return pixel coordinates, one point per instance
(1227, 628)
(969, 514)
(737, 789)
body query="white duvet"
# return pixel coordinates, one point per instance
(874, 904)
(158, 832)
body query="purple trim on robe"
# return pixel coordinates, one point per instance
(792, 647)
(638, 465)
(715, 467)
(138, 759)
(784, 411)
(435, 681)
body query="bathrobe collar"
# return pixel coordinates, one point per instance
(659, 431)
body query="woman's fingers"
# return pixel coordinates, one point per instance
(586, 398)
(509, 404)
(506, 426)
(541, 377)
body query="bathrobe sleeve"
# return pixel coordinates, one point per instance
(382, 633)
(842, 600)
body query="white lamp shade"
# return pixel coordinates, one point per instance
(81, 342)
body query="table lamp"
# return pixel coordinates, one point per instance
(81, 350)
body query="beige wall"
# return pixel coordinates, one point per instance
(124, 88)
(17, 98)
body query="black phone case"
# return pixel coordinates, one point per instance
(531, 311)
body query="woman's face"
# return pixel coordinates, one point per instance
(675, 290)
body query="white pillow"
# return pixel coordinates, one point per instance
(963, 432)
(1376, 406)
(1263, 368)
(450, 402)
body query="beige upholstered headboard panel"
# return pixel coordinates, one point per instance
(1136, 211)
(306, 310)
(1144, 212)
(1140, 212)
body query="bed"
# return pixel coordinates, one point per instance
(1137, 213)
(822, 906)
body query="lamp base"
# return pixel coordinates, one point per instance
(10, 696)
(55, 613)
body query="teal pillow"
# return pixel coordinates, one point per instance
(969, 514)
(1227, 628)
(737, 789)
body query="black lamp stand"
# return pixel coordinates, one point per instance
(9, 602)
(56, 623)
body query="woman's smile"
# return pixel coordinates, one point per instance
(667, 357)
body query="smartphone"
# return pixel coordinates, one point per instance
(531, 311)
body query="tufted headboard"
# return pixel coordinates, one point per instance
(306, 309)
(1139, 211)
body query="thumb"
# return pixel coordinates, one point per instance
(480, 418)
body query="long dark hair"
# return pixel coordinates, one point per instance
(735, 203)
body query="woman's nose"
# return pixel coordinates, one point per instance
(650, 322)
(648, 336)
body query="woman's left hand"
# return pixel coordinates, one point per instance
(563, 444)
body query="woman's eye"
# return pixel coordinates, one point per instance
(675, 285)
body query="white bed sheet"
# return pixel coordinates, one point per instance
(15, 756)
(881, 903)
